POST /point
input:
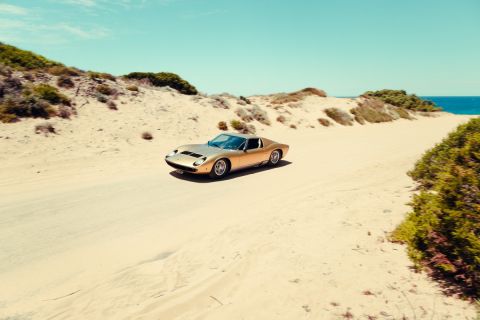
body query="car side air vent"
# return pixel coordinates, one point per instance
(186, 152)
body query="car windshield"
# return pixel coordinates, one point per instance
(225, 141)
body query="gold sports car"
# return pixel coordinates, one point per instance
(225, 153)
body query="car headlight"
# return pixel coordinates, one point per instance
(199, 161)
(171, 154)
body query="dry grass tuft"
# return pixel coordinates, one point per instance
(111, 105)
(260, 115)
(298, 95)
(105, 89)
(374, 111)
(64, 81)
(242, 127)
(339, 116)
(222, 125)
(65, 112)
(325, 122)
(45, 128)
(243, 114)
(147, 136)
(293, 126)
(281, 119)
(132, 88)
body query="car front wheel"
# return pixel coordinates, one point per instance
(275, 157)
(220, 169)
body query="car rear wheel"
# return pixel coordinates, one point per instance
(275, 157)
(220, 169)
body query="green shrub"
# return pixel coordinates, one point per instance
(164, 79)
(48, 93)
(23, 60)
(242, 126)
(443, 230)
(339, 116)
(101, 75)
(401, 99)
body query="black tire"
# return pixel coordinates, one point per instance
(275, 157)
(220, 169)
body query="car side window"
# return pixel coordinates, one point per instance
(253, 144)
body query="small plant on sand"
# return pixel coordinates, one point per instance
(132, 87)
(260, 115)
(246, 100)
(222, 125)
(101, 76)
(49, 94)
(281, 119)
(65, 112)
(65, 81)
(242, 126)
(237, 125)
(374, 111)
(339, 116)
(105, 89)
(325, 122)
(147, 135)
(101, 97)
(243, 114)
(111, 105)
(293, 126)
(45, 128)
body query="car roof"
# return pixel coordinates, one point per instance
(242, 135)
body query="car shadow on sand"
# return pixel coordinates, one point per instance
(204, 178)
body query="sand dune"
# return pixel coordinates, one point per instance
(94, 225)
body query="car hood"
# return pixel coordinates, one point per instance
(202, 149)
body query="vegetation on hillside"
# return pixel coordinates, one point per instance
(297, 95)
(443, 231)
(401, 99)
(19, 100)
(164, 79)
(23, 60)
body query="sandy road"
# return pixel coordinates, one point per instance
(304, 240)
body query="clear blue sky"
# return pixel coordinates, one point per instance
(429, 47)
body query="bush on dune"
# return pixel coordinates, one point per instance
(339, 116)
(31, 102)
(373, 111)
(23, 60)
(164, 79)
(401, 99)
(443, 231)
(298, 95)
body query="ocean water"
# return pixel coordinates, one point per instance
(457, 105)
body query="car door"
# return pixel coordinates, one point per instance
(254, 153)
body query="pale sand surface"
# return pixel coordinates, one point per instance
(95, 226)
